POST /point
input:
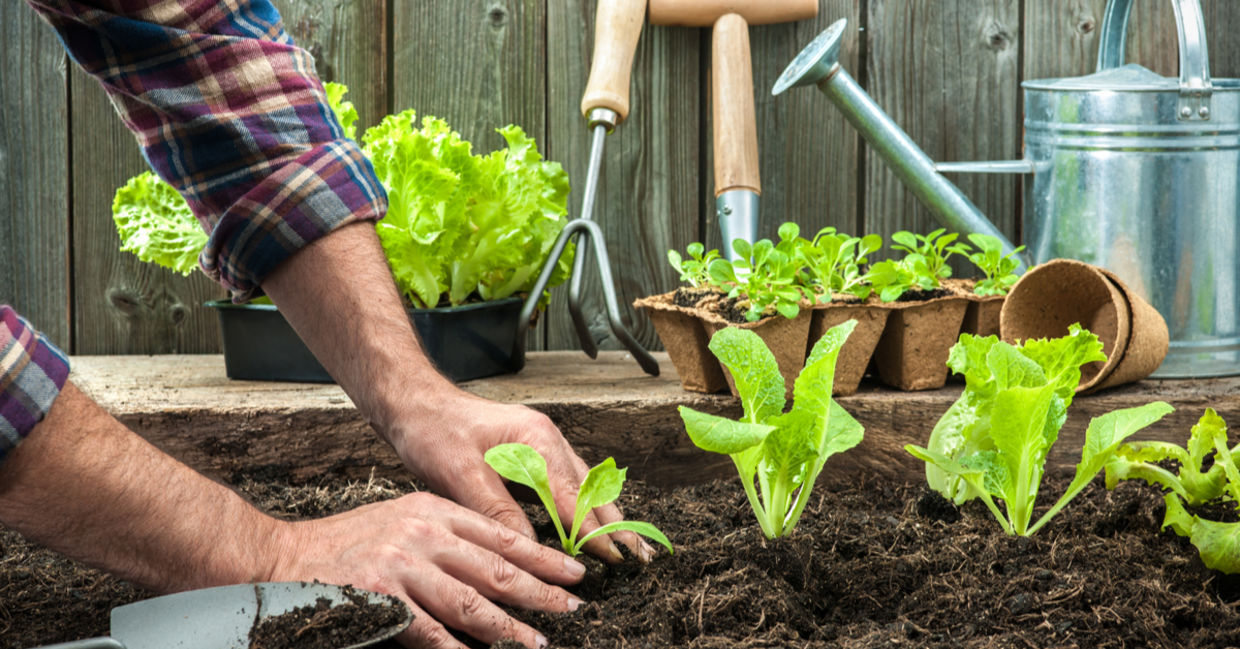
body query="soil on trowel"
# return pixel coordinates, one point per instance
(324, 626)
(873, 565)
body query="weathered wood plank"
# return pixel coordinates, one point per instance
(122, 305)
(34, 163)
(808, 151)
(1062, 37)
(185, 405)
(648, 193)
(349, 43)
(948, 73)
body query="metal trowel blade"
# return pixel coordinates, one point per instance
(221, 618)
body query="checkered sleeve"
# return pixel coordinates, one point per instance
(32, 372)
(229, 111)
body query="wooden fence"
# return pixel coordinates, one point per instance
(948, 71)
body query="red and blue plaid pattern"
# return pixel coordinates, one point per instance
(229, 111)
(32, 372)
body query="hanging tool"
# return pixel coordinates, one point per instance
(737, 182)
(617, 26)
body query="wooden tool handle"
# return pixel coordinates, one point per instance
(736, 132)
(617, 26)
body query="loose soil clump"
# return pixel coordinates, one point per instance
(324, 626)
(875, 565)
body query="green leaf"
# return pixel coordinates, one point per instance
(754, 369)
(156, 224)
(722, 435)
(1102, 438)
(344, 111)
(1018, 429)
(1217, 543)
(602, 486)
(523, 465)
(645, 529)
(1061, 358)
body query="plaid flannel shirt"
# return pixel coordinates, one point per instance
(227, 110)
(32, 372)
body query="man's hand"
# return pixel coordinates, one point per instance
(445, 562)
(339, 296)
(445, 447)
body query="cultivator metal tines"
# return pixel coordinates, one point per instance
(605, 104)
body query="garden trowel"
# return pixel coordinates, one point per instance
(221, 618)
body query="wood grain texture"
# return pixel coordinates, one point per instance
(649, 191)
(947, 72)
(1062, 37)
(122, 305)
(807, 151)
(350, 45)
(34, 163)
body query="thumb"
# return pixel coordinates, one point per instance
(489, 497)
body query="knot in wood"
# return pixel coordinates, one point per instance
(1085, 25)
(498, 15)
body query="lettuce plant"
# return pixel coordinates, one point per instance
(460, 224)
(523, 464)
(765, 274)
(891, 279)
(833, 263)
(156, 224)
(778, 454)
(1191, 484)
(992, 443)
(935, 248)
(695, 269)
(998, 268)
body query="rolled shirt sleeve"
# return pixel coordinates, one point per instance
(32, 373)
(229, 111)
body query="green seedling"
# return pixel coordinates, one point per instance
(1191, 484)
(694, 270)
(777, 454)
(992, 443)
(833, 263)
(1000, 269)
(936, 247)
(764, 275)
(523, 464)
(892, 279)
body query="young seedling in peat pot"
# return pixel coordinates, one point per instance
(765, 275)
(833, 262)
(1192, 484)
(992, 443)
(783, 452)
(695, 270)
(522, 464)
(999, 269)
(923, 267)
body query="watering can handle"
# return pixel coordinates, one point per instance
(1195, 86)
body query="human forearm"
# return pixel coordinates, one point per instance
(86, 486)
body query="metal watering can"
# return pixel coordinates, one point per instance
(1131, 171)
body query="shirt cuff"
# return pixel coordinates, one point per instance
(32, 373)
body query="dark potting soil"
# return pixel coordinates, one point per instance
(873, 565)
(922, 295)
(324, 626)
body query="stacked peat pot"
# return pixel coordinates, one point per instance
(908, 312)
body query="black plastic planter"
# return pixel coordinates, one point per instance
(465, 342)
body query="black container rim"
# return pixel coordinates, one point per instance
(472, 306)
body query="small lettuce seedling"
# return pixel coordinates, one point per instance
(765, 275)
(935, 248)
(998, 268)
(783, 452)
(833, 263)
(695, 270)
(1218, 543)
(523, 464)
(992, 443)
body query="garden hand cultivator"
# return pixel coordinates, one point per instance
(618, 25)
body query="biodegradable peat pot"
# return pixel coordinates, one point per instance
(464, 342)
(785, 337)
(685, 339)
(912, 352)
(982, 316)
(1061, 292)
(859, 348)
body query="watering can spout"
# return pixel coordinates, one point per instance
(818, 64)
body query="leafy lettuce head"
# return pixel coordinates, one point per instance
(460, 224)
(156, 224)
